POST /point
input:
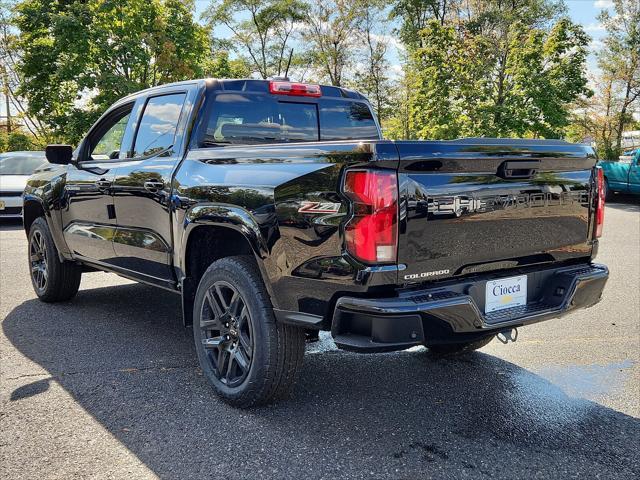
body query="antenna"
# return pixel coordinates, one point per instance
(286, 72)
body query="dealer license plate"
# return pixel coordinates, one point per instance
(505, 293)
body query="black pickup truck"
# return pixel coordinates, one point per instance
(276, 209)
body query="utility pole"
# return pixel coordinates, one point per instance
(5, 77)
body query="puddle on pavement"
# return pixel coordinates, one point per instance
(558, 395)
(548, 397)
(588, 381)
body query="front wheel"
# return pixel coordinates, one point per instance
(247, 356)
(52, 280)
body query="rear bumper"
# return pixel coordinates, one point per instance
(454, 312)
(12, 206)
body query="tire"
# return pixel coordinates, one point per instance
(608, 193)
(453, 349)
(248, 357)
(52, 280)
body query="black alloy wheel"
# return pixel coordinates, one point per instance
(227, 333)
(53, 279)
(247, 356)
(38, 260)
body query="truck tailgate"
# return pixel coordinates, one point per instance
(476, 205)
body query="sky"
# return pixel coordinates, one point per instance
(583, 12)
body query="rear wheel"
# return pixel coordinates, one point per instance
(608, 193)
(247, 356)
(453, 349)
(52, 280)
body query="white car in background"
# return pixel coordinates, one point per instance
(15, 169)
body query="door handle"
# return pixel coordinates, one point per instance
(103, 184)
(153, 185)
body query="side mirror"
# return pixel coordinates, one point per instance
(59, 154)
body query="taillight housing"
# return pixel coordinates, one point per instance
(371, 234)
(295, 89)
(600, 191)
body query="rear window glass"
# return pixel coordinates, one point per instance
(346, 121)
(254, 119)
(240, 119)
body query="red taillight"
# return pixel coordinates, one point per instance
(371, 235)
(295, 89)
(600, 202)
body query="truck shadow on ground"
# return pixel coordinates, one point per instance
(123, 355)
(10, 224)
(626, 203)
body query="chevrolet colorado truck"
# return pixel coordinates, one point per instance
(275, 209)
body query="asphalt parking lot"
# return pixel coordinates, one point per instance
(107, 387)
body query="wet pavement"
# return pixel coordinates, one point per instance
(107, 387)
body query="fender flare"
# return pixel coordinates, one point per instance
(58, 238)
(222, 216)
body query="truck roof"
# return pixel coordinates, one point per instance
(249, 84)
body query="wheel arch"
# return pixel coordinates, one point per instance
(33, 207)
(213, 232)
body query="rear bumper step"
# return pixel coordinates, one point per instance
(455, 312)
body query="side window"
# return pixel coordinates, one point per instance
(346, 121)
(158, 124)
(108, 144)
(251, 120)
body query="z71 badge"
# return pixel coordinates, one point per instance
(319, 207)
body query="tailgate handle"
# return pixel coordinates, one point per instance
(517, 169)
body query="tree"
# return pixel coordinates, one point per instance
(398, 125)
(373, 78)
(500, 73)
(414, 16)
(265, 36)
(10, 77)
(81, 56)
(220, 66)
(619, 62)
(436, 103)
(330, 34)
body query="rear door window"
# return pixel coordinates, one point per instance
(158, 124)
(108, 146)
(341, 120)
(247, 120)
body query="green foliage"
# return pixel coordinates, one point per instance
(220, 66)
(473, 67)
(81, 56)
(414, 15)
(437, 101)
(619, 62)
(464, 84)
(19, 140)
